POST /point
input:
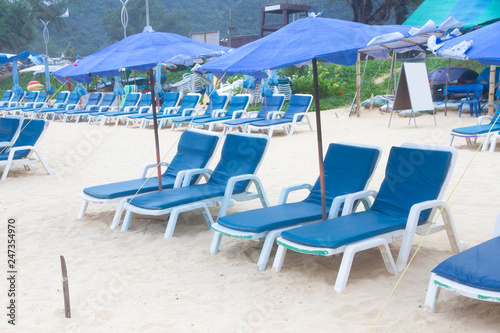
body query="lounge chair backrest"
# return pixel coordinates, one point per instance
(108, 100)
(297, 104)
(413, 175)
(94, 99)
(348, 169)
(170, 99)
(6, 97)
(194, 150)
(216, 103)
(31, 131)
(73, 99)
(9, 128)
(145, 100)
(131, 100)
(273, 103)
(41, 96)
(31, 96)
(62, 97)
(189, 102)
(241, 155)
(238, 102)
(496, 117)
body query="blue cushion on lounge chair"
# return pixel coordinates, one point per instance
(347, 170)
(240, 155)
(8, 128)
(477, 267)
(297, 104)
(216, 103)
(237, 103)
(30, 132)
(273, 103)
(194, 151)
(412, 176)
(477, 129)
(189, 102)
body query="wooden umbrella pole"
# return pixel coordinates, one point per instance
(491, 94)
(446, 88)
(358, 84)
(155, 127)
(67, 305)
(320, 139)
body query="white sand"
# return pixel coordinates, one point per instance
(136, 281)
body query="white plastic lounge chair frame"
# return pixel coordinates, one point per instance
(471, 138)
(163, 122)
(382, 241)
(225, 201)
(197, 112)
(122, 201)
(29, 159)
(270, 236)
(220, 113)
(288, 127)
(438, 282)
(102, 118)
(166, 110)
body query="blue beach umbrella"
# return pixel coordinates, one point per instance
(158, 88)
(304, 40)
(118, 89)
(16, 88)
(80, 90)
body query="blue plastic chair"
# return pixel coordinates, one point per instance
(195, 150)
(237, 107)
(215, 103)
(348, 169)
(474, 273)
(21, 152)
(473, 99)
(295, 114)
(188, 106)
(416, 177)
(274, 103)
(471, 133)
(230, 180)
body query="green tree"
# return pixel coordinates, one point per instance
(16, 25)
(161, 20)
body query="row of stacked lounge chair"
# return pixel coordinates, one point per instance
(136, 109)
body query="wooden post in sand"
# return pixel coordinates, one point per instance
(67, 306)
(491, 94)
(358, 85)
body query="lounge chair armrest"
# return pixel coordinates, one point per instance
(184, 178)
(144, 109)
(169, 110)
(251, 113)
(237, 113)
(416, 209)
(482, 118)
(105, 108)
(146, 168)
(188, 111)
(274, 114)
(287, 189)
(350, 200)
(297, 115)
(114, 108)
(39, 104)
(230, 189)
(91, 107)
(71, 106)
(129, 108)
(218, 113)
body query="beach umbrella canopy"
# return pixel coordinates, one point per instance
(16, 88)
(304, 40)
(139, 52)
(455, 73)
(482, 45)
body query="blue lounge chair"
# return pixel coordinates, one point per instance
(21, 152)
(274, 103)
(34, 106)
(195, 150)
(237, 107)
(471, 133)
(92, 105)
(231, 179)
(69, 102)
(6, 98)
(130, 104)
(27, 101)
(107, 102)
(144, 107)
(295, 114)
(216, 103)
(416, 177)
(348, 169)
(9, 130)
(169, 105)
(188, 106)
(474, 273)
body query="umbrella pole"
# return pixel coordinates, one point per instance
(155, 127)
(446, 88)
(320, 138)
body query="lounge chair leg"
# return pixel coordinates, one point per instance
(279, 258)
(126, 220)
(172, 221)
(449, 225)
(83, 209)
(432, 296)
(214, 248)
(451, 140)
(493, 144)
(118, 213)
(266, 249)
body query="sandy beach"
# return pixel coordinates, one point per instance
(136, 281)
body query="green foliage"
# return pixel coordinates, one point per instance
(16, 26)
